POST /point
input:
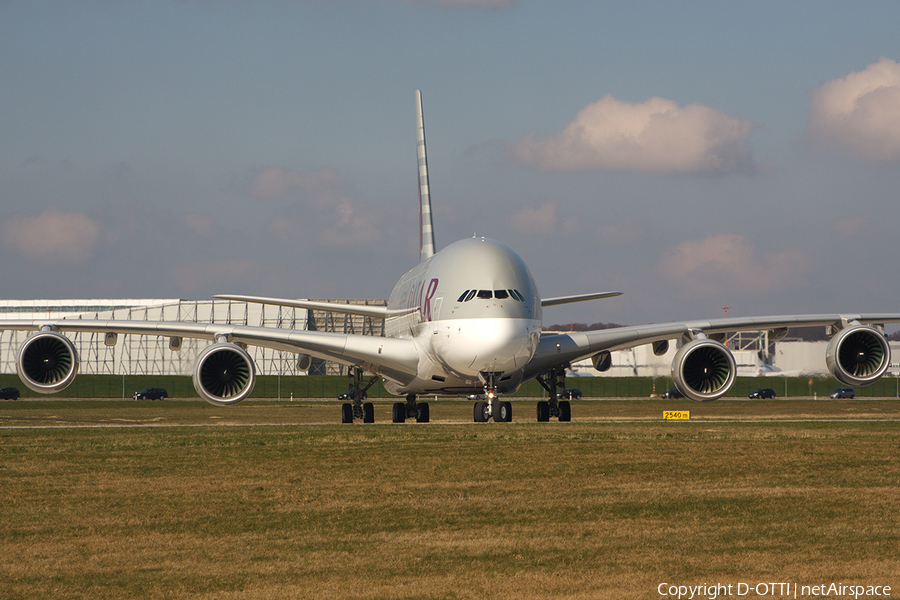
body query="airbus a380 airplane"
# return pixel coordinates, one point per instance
(466, 320)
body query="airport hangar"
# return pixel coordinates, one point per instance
(754, 353)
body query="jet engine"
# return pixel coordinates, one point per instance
(858, 355)
(47, 362)
(703, 370)
(224, 374)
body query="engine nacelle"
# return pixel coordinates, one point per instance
(858, 355)
(602, 361)
(703, 370)
(224, 374)
(304, 362)
(47, 362)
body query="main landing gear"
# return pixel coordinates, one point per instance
(555, 384)
(358, 409)
(410, 410)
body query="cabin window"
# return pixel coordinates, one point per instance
(471, 295)
(462, 297)
(501, 294)
(485, 294)
(518, 295)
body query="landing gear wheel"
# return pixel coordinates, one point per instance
(504, 412)
(346, 413)
(423, 413)
(481, 412)
(543, 411)
(368, 412)
(398, 412)
(565, 411)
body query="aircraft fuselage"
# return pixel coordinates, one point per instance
(478, 320)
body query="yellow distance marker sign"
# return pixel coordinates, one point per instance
(676, 414)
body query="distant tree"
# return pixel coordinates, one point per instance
(581, 327)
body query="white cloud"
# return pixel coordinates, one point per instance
(199, 224)
(279, 182)
(657, 136)
(471, 3)
(544, 220)
(53, 237)
(531, 220)
(729, 263)
(851, 226)
(322, 207)
(859, 112)
(191, 277)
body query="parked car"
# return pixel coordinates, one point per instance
(671, 393)
(569, 394)
(348, 395)
(842, 393)
(150, 394)
(9, 393)
(762, 393)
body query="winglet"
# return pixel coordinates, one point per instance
(426, 233)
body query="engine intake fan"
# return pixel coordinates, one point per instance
(703, 370)
(858, 355)
(47, 362)
(224, 374)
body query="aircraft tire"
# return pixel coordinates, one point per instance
(504, 412)
(398, 412)
(565, 411)
(368, 412)
(480, 410)
(543, 411)
(346, 413)
(423, 415)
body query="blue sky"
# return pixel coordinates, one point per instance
(692, 155)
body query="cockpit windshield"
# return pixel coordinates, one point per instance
(488, 294)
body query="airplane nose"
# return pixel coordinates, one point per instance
(473, 346)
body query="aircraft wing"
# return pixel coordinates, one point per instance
(365, 310)
(561, 349)
(390, 357)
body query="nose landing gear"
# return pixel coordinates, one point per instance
(494, 407)
(498, 409)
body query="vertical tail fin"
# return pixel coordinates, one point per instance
(426, 232)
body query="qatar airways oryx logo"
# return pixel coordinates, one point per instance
(425, 304)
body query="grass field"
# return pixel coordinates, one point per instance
(608, 506)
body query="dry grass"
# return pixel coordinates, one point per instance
(521, 510)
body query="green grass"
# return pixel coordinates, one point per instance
(608, 506)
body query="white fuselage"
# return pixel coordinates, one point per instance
(478, 318)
